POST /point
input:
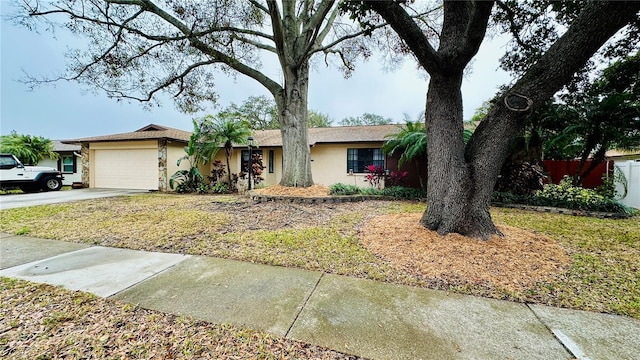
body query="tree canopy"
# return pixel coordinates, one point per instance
(140, 48)
(261, 113)
(365, 119)
(602, 115)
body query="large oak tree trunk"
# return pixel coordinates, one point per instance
(292, 108)
(451, 185)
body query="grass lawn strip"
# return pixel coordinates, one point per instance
(602, 273)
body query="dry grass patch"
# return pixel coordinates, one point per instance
(514, 262)
(311, 191)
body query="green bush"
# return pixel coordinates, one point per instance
(203, 188)
(370, 191)
(565, 195)
(343, 189)
(220, 188)
(400, 192)
(396, 192)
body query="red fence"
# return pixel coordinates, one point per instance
(557, 169)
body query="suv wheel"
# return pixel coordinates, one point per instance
(52, 184)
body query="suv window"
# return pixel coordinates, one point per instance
(7, 162)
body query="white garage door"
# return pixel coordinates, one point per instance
(126, 169)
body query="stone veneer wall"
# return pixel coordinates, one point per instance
(86, 164)
(162, 165)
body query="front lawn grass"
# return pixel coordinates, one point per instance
(604, 275)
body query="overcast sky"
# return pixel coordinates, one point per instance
(66, 110)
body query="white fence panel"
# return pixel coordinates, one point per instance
(631, 171)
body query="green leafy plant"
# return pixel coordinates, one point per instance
(343, 189)
(401, 192)
(220, 188)
(566, 195)
(370, 191)
(29, 149)
(186, 181)
(203, 188)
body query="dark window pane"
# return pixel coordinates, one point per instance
(359, 159)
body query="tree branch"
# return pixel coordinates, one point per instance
(410, 32)
(278, 32)
(259, 6)
(255, 43)
(165, 84)
(513, 27)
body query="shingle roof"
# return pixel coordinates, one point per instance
(59, 146)
(339, 134)
(263, 138)
(149, 132)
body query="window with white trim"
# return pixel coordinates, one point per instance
(359, 159)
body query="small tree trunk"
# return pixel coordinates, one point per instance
(227, 154)
(292, 107)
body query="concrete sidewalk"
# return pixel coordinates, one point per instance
(355, 316)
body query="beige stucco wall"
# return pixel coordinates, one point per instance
(329, 164)
(236, 158)
(69, 178)
(175, 150)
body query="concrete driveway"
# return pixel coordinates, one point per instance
(54, 197)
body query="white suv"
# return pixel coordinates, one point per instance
(28, 178)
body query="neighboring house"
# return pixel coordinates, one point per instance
(629, 164)
(68, 162)
(146, 158)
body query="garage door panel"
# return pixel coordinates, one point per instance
(126, 169)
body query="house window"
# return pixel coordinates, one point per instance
(67, 164)
(245, 159)
(359, 159)
(270, 161)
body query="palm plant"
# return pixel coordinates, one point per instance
(222, 132)
(28, 149)
(411, 141)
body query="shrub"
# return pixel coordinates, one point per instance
(203, 188)
(217, 172)
(565, 195)
(396, 178)
(343, 189)
(375, 176)
(220, 188)
(370, 191)
(400, 192)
